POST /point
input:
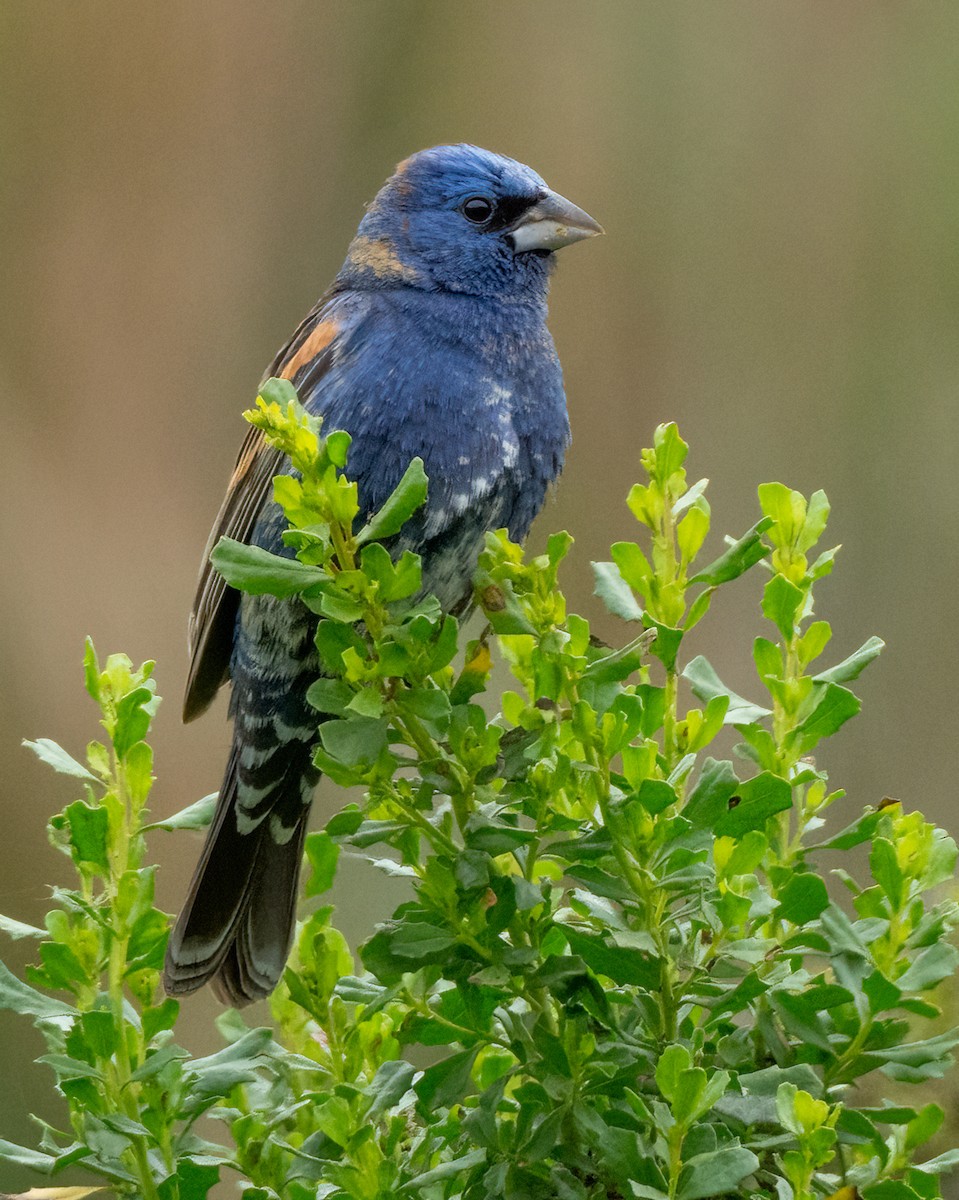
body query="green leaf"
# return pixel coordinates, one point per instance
(930, 966)
(689, 1093)
(928, 1058)
(782, 604)
(418, 939)
(89, 834)
(65, 1067)
(632, 564)
(717, 1173)
(884, 864)
(427, 703)
(759, 799)
(615, 592)
(698, 609)
(338, 443)
(817, 514)
(802, 899)
(882, 994)
(322, 854)
(623, 965)
(746, 855)
(833, 706)
(359, 991)
(218, 1073)
(56, 757)
(890, 1189)
(655, 795)
(666, 645)
(767, 1081)
(786, 507)
(503, 608)
(257, 571)
(446, 1082)
(355, 742)
(91, 670)
(197, 815)
(61, 967)
(824, 564)
(861, 830)
(193, 1179)
(471, 870)
(670, 451)
(408, 495)
(346, 822)
(159, 1018)
(388, 1086)
(100, 1033)
(942, 1162)
(333, 602)
(495, 837)
(407, 578)
(147, 941)
(813, 642)
(716, 1084)
(737, 558)
(691, 531)
(850, 668)
(925, 1125)
(768, 658)
(21, 1156)
(672, 1063)
(17, 929)
(157, 1060)
(689, 497)
(706, 685)
(139, 772)
(331, 696)
(134, 712)
(709, 799)
(279, 391)
(447, 1170)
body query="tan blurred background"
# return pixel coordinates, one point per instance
(179, 182)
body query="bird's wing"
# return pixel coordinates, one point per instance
(304, 360)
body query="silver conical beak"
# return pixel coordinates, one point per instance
(552, 223)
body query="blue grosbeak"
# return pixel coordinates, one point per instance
(432, 341)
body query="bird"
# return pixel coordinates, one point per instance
(431, 342)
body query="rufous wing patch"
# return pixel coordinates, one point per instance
(313, 344)
(249, 453)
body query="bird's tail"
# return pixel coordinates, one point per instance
(236, 925)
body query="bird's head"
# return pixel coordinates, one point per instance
(461, 219)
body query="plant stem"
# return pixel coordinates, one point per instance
(125, 1097)
(670, 717)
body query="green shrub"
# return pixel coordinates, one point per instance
(619, 951)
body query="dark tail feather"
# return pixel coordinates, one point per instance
(236, 925)
(256, 957)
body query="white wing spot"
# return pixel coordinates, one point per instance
(498, 395)
(281, 833)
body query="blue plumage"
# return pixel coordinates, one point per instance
(432, 341)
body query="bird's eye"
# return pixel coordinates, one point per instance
(477, 209)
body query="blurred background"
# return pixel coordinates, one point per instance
(179, 183)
